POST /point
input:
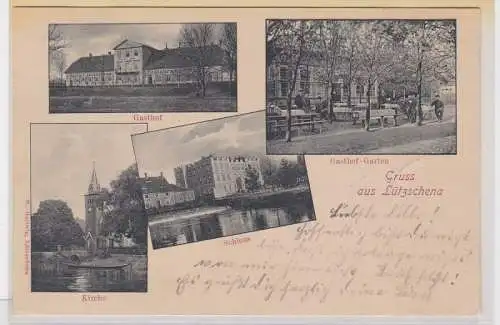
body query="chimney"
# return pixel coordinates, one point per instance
(90, 54)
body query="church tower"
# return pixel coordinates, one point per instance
(93, 211)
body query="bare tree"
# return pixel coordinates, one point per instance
(431, 54)
(56, 39)
(60, 64)
(57, 44)
(330, 38)
(352, 55)
(200, 38)
(229, 44)
(291, 42)
(377, 58)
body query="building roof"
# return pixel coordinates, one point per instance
(127, 44)
(183, 57)
(98, 63)
(159, 184)
(94, 186)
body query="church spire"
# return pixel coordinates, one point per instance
(94, 186)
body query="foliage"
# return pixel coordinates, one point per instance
(57, 44)
(53, 224)
(200, 37)
(252, 182)
(399, 56)
(229, 45)
(125, 215)
(289, 41)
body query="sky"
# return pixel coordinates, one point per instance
(100, 39)
(163, 150)
(62, 156)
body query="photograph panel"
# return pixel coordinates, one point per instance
(361, 86)
(88, 222)
(213, 179)
(137, 68)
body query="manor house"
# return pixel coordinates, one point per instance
(132, 63)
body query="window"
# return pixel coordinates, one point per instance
(136, 53)
(283, 77)
(304, 80)
(127, 54)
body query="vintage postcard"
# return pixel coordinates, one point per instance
(131, 68)
(345, 180)
(212, 188)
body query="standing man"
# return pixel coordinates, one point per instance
(438, 108)
(299, 101)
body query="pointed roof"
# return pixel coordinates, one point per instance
(127, 44)
(94, 186)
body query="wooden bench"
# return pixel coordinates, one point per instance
(381, 116)
(278, 125)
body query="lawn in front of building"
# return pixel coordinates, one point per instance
(140, 104)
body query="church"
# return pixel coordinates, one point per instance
(95, 201)
(132, 63)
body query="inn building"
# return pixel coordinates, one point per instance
(218, 175)
(311, 81)
(132, 63)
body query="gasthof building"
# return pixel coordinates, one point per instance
(132, 63)
(217, 175)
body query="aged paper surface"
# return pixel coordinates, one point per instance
(365, 254)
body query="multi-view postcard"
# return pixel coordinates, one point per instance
(251, 161)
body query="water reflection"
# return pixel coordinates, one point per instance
(169, 230)
(48, 275)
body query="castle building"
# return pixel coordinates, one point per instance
(159, 193)
(132, 63)
(219, 175)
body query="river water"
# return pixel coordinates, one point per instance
(167, 230)
(49, 276)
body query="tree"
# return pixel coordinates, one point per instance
(56, 39)
(289, 42)
(229, 44)
(376, 57)
(200, 37)
(252, 182)
(269, 171)
(57, 44)
(430, 53)
(330, 38)
(351, 52)
(59, 62)
(287, 174)
(53, 224)
(126, 214)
